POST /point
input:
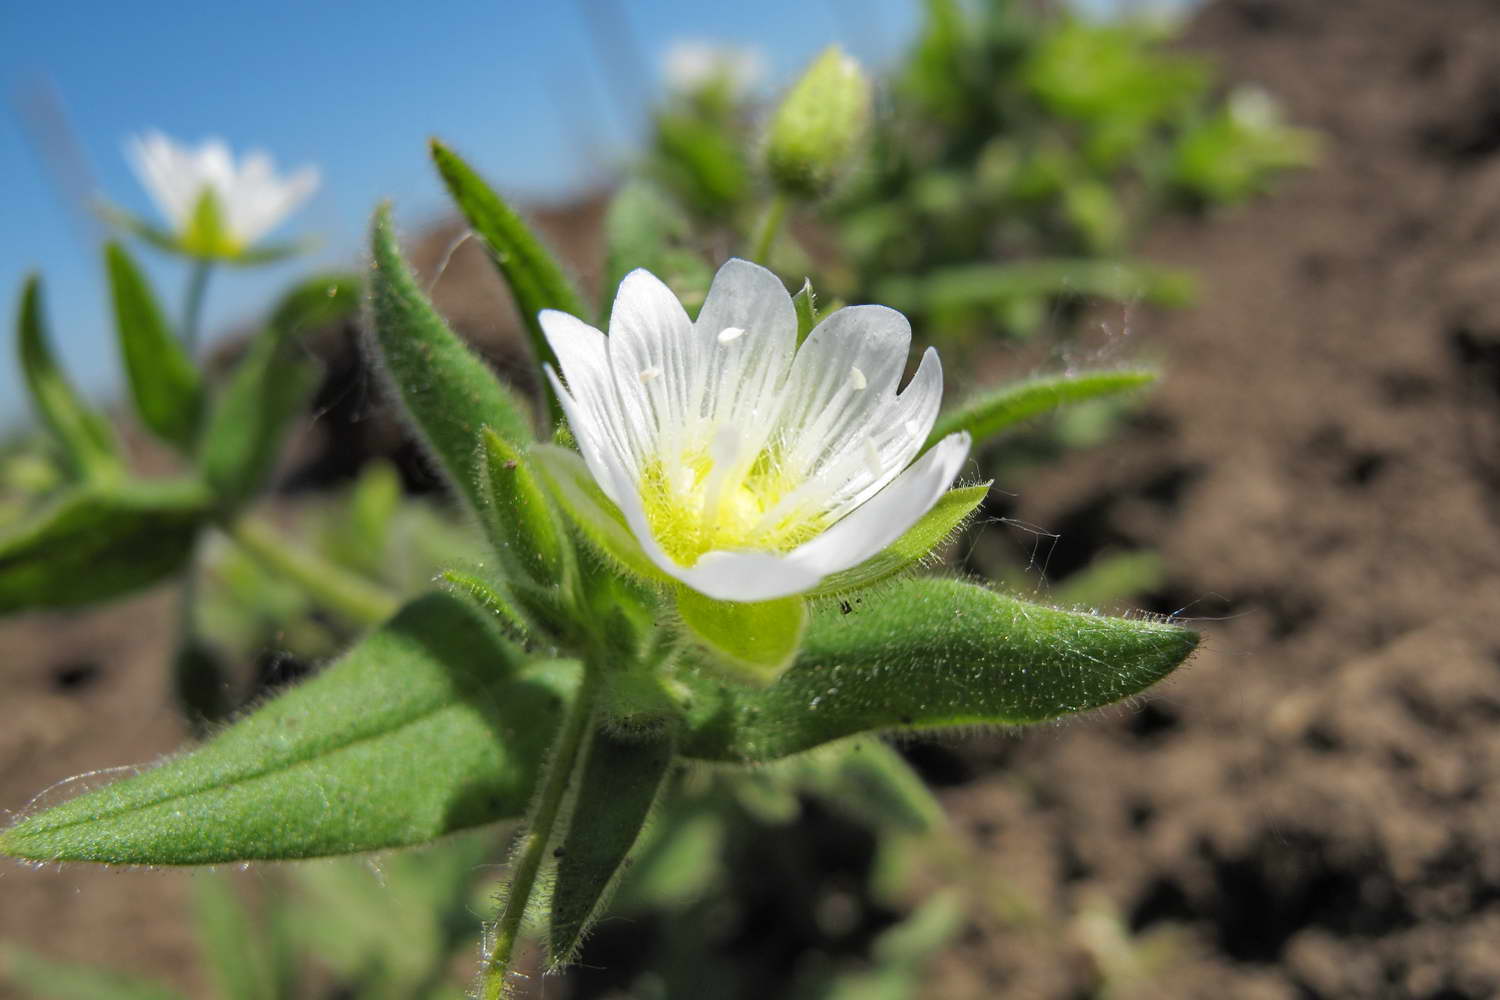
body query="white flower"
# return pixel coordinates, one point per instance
(249, 198)
(743, 471)
(689, 66)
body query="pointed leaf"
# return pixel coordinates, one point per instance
(621, 779)
(431, 724)
(592, 513)
(99, 542)
(756, 641)
(166, 387)
(448, 394)
(535, 278)
(930, 654)
(995, 412)
(933, 529)
(88, 443)
(49, 979)
(269, 389)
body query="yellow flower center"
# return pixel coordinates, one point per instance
(693, 510)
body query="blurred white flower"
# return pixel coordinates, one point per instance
(215, 207)
(745, 467)
(692, 65)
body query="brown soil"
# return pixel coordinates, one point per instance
(1310, 809)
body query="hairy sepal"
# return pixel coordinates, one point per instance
(593, 514)
(934, 528)
(752, 642)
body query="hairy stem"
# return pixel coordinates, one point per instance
(192, 308)
(770, 225)
(531, 851)
(350, 596)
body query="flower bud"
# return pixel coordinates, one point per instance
(818, 125)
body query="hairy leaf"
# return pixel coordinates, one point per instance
(165, 385)
(930, 531)
(535, 278)
(88, 444)
(928, 654)
(447, 392)
(620, 780)
(522, 525)
(100, 541)
(756, 641)
(995, 412)
(430, 724)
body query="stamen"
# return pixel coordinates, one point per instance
(731, 333)
(649, 374)
(857, 378)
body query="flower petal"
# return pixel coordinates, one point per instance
(885, 517)
(589, 398)
(843, 377)
(747, 332)
(657, 366)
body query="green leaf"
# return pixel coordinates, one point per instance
(233, 950)
(522, 525)
(621, 779)
(48, 979)
(592, 513)
(868, 779)
(933, 529)
(756, 641)
(995, 412)
(88, 443)
(448, 394)
(430, 724)
(269, 389)
(99, 542)
(806, 304)
(535, 278)
(644, 228)
(166, 387)
(931, 654)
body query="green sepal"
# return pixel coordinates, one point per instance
(920, 540)
(489, 598)
(100, 541)
(533, 275)
(998, 411)
(930, 654)
(805, 302)
(50, 979)
(592, 513)
(521, 524)
(753, 642)
(206, 234)
(87, 442)
(225, 253)
(268, 389)
(645, 228)
(430, 724)
(164, 384)
(447, 392)
(619, 783)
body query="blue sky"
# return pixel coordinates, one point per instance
(355, 89)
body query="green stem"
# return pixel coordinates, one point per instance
(770, 225)
(360, 602)
(192, 309)
(532, 849)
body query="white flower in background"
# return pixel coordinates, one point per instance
(689, 66)
(746, 467)
(215, 206)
